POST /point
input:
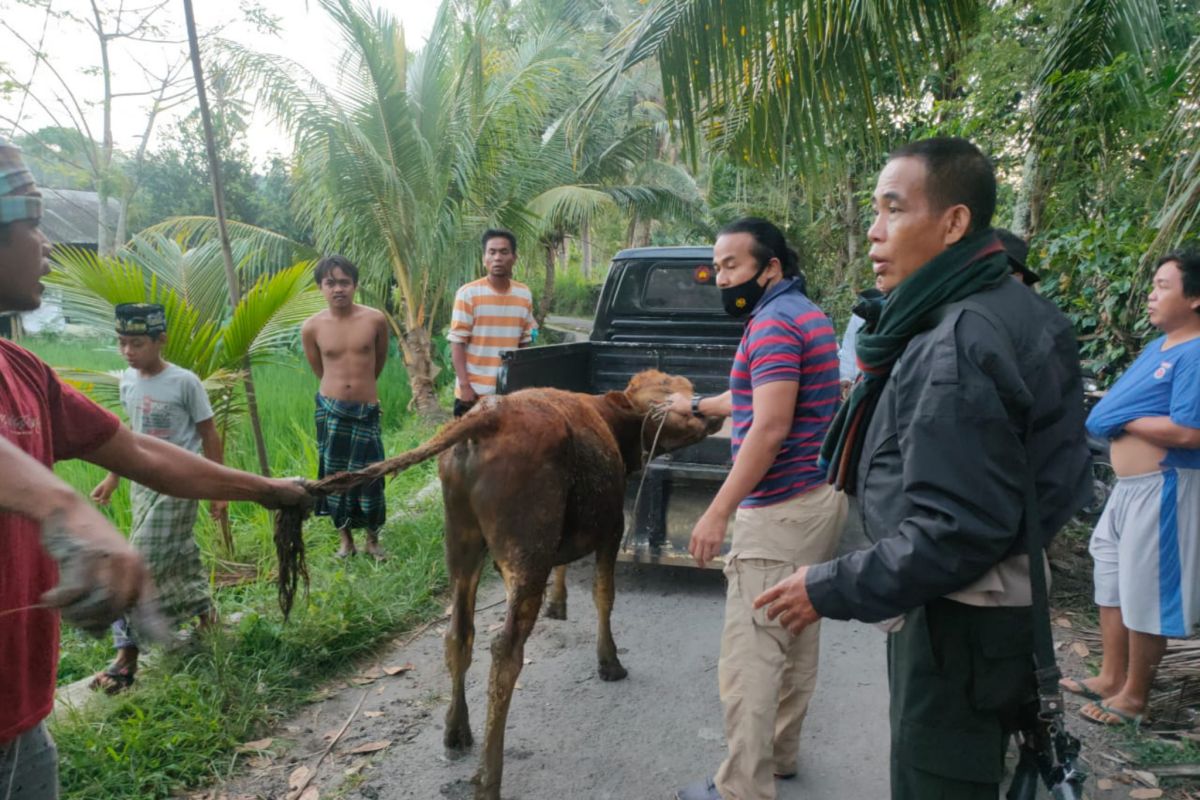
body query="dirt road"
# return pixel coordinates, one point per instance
(571, 735)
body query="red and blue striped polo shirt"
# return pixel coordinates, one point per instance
(788, 338)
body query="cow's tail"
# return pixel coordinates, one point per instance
(289, 522)
(478, 423)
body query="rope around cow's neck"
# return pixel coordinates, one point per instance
(663, 412)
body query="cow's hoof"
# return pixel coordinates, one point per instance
(612, 671)
(555, 610)
(458, 740)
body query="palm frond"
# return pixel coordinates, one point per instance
(1094, 34)
(1181, 210)
(762, 76)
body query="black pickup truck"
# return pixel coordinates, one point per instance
(659, 309)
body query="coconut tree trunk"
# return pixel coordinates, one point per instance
(416, 347)
(1024, 223)
(548, 249)
(585, 247)
(850, 218)
(214, 169)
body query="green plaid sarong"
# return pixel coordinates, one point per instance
(163, 534)
(349, 438)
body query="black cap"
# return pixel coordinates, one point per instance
(137, 319)
(1017, 250)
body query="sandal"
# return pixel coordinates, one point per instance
(114, 679)
(1076, 686)
(1103, 714)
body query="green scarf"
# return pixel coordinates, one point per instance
(974, 264)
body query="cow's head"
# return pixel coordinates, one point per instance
(647, 392)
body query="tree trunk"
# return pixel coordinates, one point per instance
(214, 168)
(853, 235)
(122, 224)
(548, 287)
(585, 247)
(1022, 220)
(416, 347)
(639, 231)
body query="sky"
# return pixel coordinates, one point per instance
(72, 52)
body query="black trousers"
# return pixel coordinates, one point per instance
(960, 678)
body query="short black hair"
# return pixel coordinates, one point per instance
(958, 173)
(769, 242)
(1188, 262)
(498, 233)
(328, 264)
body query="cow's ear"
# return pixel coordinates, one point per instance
(619, 399)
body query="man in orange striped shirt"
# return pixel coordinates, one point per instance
(491, 315)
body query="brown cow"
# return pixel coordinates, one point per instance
(537, 479)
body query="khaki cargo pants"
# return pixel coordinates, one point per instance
(767, 675)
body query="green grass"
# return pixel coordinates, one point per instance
(189, 710)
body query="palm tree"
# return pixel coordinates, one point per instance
(769, 80)
(203, 334)
(1094, 34)
(404, 162)
(1181, 212)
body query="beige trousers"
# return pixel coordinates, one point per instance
(767, 675)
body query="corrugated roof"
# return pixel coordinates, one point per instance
(72, 217)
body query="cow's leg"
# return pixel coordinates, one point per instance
(556, 606)
(508, 654)
(603, 591)
(464, 561)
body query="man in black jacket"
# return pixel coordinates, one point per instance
(970, 393)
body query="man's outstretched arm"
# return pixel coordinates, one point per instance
(173, 470)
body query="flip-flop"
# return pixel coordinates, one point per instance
(113, 680)
(1076, 686)
(1115, 717)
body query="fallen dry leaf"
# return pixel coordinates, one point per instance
(258, 762)
(399, 669)
(310, 793)
(298, 778)
(370, 747)
(373, 714)
(257, 744)
(1145, 794)
(1080, 649)
(1104, 785)
(1063, 622)
(329, 734)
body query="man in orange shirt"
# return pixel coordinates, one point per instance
(492, 315)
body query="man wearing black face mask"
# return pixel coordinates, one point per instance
(782, 397)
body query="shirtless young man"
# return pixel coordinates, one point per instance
(347, 345)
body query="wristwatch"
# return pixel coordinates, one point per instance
(696, 406)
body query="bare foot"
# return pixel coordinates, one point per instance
(374, 550)
(347, 549)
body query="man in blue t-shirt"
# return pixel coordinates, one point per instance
(783, 392)
(1146, 546)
